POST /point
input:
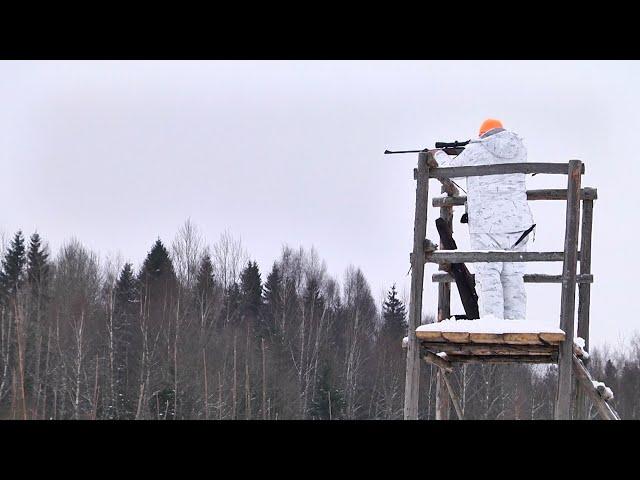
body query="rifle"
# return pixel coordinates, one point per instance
(450, 148)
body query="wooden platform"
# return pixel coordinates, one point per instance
(479, 347)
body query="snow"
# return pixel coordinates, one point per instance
(491, 324)
(607, 393)
(442, 355)
(579, 347)
(405, 342)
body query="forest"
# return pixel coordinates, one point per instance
(202, 332)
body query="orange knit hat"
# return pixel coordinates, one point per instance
(488, 124)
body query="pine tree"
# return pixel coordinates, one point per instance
(13, 265)
(394, 316)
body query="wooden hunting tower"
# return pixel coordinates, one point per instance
(444, 349)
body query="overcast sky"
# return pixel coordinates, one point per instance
(119, 153)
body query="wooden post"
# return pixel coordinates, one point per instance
(412, 377)
(444, 312)
(584, 296)
(567, 307)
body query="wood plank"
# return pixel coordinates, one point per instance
(429, 336)
(567, 307)
(474, 256)
(475, 337)
(586, 193)
(443, 277)
(412, 374)
(501, 169)
(553, 338)
(456, 337)
(522, 338)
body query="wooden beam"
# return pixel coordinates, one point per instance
(584, 294)
(568, 297)
(443, 277)
(586, 193)
(503, 358)
(452, 395)
(483, 349)
(412, 374)
(444, 306)
(436, 360)
(584, 378)
(502, 169)
(475, 256)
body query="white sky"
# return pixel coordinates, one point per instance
(118, 153)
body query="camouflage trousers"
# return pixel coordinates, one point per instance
(500, 285)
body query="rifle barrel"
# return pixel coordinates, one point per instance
(389, 152)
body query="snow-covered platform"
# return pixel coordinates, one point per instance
(490, 340)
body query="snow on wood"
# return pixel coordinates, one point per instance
(578, 348)
(605, 392)
(490, 324)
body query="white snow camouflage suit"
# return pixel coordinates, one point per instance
(498, 215)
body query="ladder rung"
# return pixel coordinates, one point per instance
(442, 277)
(586, 193)
(501, 169)
(459, 256)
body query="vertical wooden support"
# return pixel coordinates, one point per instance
(584, 296)
(412, 378)
(567, 307)
(444, 311)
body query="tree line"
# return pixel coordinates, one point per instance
(200, 332)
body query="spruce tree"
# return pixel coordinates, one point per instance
(329, 402)
(394, 316)
(124, 345)
(38, 277)
(232, 303)
(37, 264)
(251, 290)
(157, 264)
(311, 296)
(158, 293)
(13, 265)
(272, 298)
(271, 293)
(205, 280)
(207, 291)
